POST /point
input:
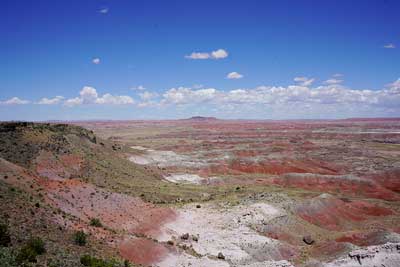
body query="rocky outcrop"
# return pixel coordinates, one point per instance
(383, 255)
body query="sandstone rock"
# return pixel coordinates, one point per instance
(185, 236)
(308, 240)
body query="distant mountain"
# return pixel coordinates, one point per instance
(200, 118)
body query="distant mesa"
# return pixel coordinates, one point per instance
(200, 118)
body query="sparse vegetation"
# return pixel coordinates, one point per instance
(87, 260)
(80, 238)
(95, 222)
(5, 238)
(29, 252)
(7, 258)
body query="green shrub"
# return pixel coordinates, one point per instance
(95, 222)
(7, 258)
(37, 244)
(31, 250)
(87, 260)
(26, 254)
(80, 238)
(5, 238)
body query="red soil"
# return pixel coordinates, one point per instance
(272, 167)
(142, 251)
(18, 176)
(116, 211)
(333, 214)
(362, 238)
(287, 252)
(352, 186)
(248, 153)
(328, 250)
(389, 179)
(65, 166)
(279, 233)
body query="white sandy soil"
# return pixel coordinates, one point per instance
(228, 231)
(163, 158)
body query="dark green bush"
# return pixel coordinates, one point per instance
(26, 254)
(87, 260)
(5, 238)
(95, 222)
(37, 244)
(80, 238)
(31, 250)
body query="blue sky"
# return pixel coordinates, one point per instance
(154, 59)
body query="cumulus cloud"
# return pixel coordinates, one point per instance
(182, 95)
(96, 61)
(14, 101)
(389, 46)
(333, 95)
(330, 99)
(337, 75)
(138, 88)
(304, 81)
(148, 95)
(217, 54)
(89, 95)
(220, 53)
(234, 75)
(73, 102)
(394, 85)
(198, 55)
(333, 81)
(50, 101)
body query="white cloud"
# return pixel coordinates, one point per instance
(198, 55)
(220, 53)
(50, 101)
(299, 96)
(73, 102)
(337, 75)
(114, 100)
(304, 81)
(234, 75)
(139, 88)
(184, 95)
(389, 46)
(333, 81)
(147, 95)
(15, 101)
(217, 54)
(89, 95)
(96, 61)
(104, 10)
(330, 100)
(395, 84)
